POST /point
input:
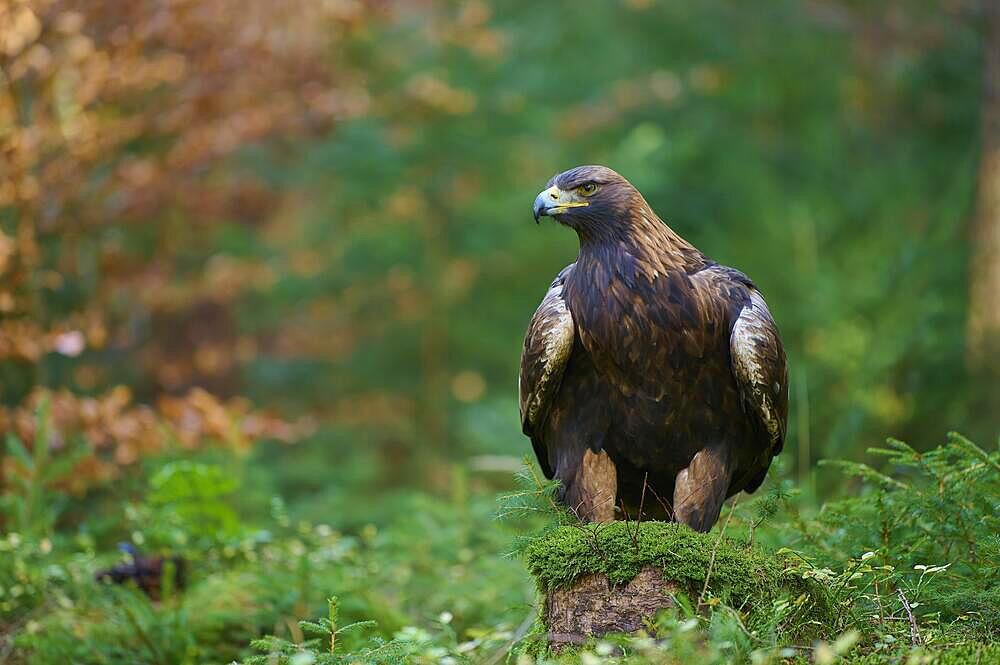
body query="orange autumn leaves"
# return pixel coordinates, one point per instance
(116, 432)
(116, 121)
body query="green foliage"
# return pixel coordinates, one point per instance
(322, 647)
(965, 654)
(187, 505)
(532, 507)
(29, 504)
(925, 530)
(27, 576)
(114, 625)
(431, 583)
(409, 646)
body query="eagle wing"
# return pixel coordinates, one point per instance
(758, 362)
(547, 348)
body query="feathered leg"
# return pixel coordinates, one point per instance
(592, 489)
(701, 488)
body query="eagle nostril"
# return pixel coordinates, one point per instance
(554, 196)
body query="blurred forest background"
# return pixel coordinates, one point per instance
(290, 244)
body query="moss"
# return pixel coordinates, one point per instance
(975, 653)
(742, 577)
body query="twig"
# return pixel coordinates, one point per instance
(878, 599)
(753, 528)
(576, 510)
(715, 548)
(642, 497)
(592, 537)
(914, 631)
(632, 535)
(332, 615)
(663, 504)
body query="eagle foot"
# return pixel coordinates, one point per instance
(701, 488)
(594, 489)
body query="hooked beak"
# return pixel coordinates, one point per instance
(554, 201)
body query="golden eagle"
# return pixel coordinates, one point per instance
(648, 367)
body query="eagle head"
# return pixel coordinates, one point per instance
(588, 198)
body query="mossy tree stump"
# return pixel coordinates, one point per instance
(598, 579)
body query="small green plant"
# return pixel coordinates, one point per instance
(532, 507)
(188, 505)
(322, 647)
(29, 509)
(31, 503)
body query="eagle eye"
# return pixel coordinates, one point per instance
(587, 188)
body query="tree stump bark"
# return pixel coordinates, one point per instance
(593, 606)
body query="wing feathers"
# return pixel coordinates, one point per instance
(759, 366)
(547, 347)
